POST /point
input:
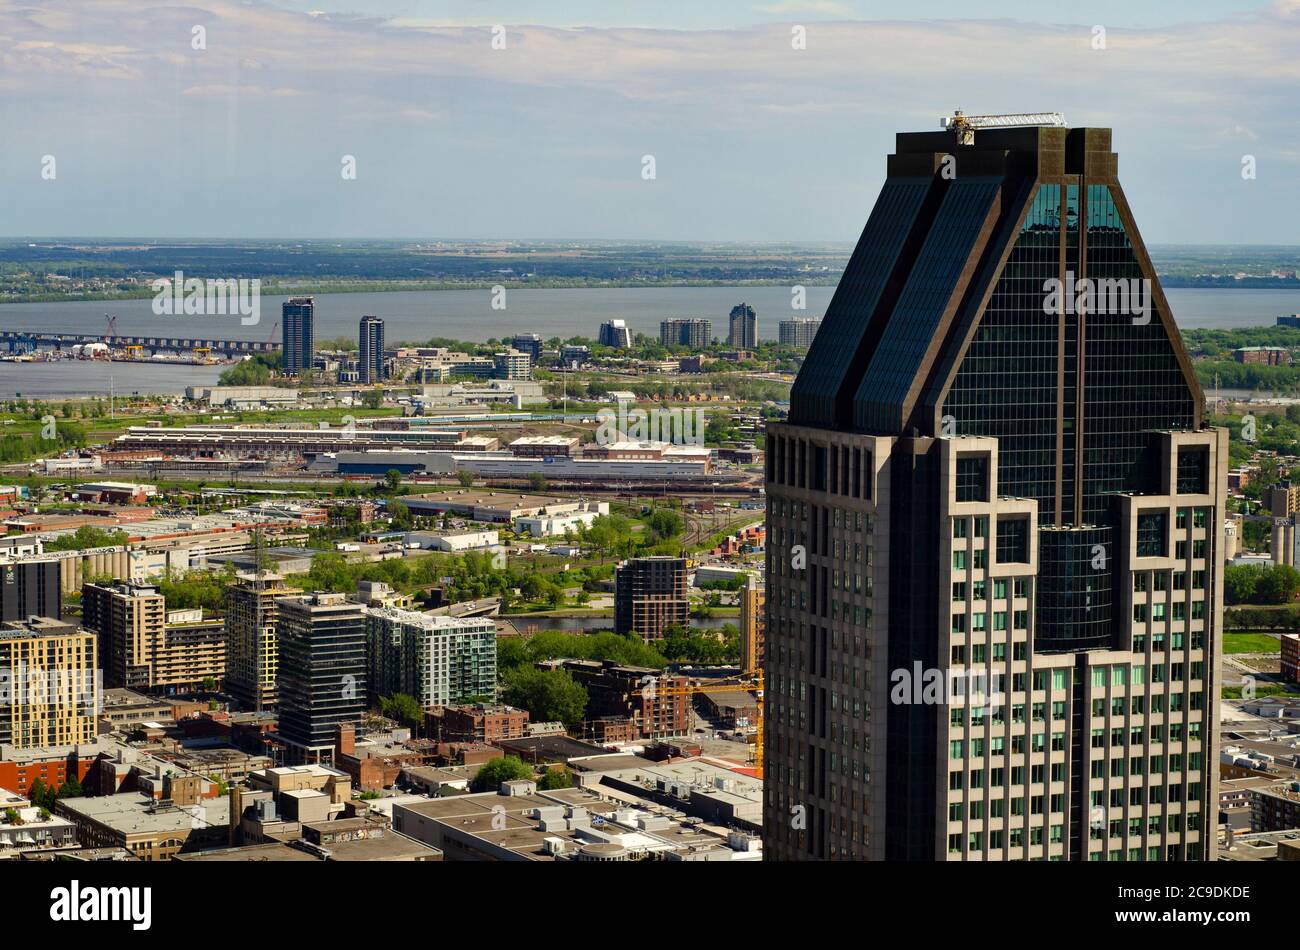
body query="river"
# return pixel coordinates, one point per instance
(418, 316)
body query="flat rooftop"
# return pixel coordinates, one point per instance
(133, 814)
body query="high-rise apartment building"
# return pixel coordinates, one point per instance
(753, 625)
(52, 687)
(141, 648)
(297, 324)
(322, 673)
(681, 331)
(129, 619)
(252, 643)
(30, 589)
(742, 327)
(440, 661)
(615, 333)
(650, 596)
(798, 332)
(371, 367)
(994, 531)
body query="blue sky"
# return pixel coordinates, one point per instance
(752, 139)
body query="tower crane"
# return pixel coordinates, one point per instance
(965, 125)
(754, 687)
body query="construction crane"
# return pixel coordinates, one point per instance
(134, 351)
(201, 353)
(755, 686)
(965, 125)
(111, 332)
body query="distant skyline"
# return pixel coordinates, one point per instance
(752, 140)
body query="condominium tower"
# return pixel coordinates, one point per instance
(322, 673)
(798, 332)
(370, 358)
(995, 526)
(742, 327)
(297, 319)
(650, 595)
(440, 661)
(683, 331)
(252, 642)
(51, 684)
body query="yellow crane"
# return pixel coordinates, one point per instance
(201, 353)
(754, 686)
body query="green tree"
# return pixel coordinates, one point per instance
(465, 477)
(547, 695)
(38, 793)
(537, 482)
(555, 778)
(666, 523)
(373, 399)
(1278, 585)
(403, 708)
(399, 514)
(507, 769)
(71, 788)
(393, 480)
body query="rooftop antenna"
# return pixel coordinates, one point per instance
(965, 125)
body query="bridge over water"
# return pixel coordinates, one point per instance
(22, 339)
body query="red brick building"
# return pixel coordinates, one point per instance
(479, 723)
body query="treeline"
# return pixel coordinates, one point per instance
(1260, 584)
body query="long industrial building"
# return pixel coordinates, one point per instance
(282, 443)
(686, 462)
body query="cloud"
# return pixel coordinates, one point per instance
(561, 105)
(828, 7)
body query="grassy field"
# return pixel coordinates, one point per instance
(1261, 690)
(1250, 643)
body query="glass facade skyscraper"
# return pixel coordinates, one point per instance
(370, 360)
(297, 323)
(995, 531)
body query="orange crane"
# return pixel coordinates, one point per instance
(755, 686)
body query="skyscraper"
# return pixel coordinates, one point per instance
(995, 525)
(322, 673)
(370, 361)
(297, 320)
(742, 327)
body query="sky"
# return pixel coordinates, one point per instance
(233, 119)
